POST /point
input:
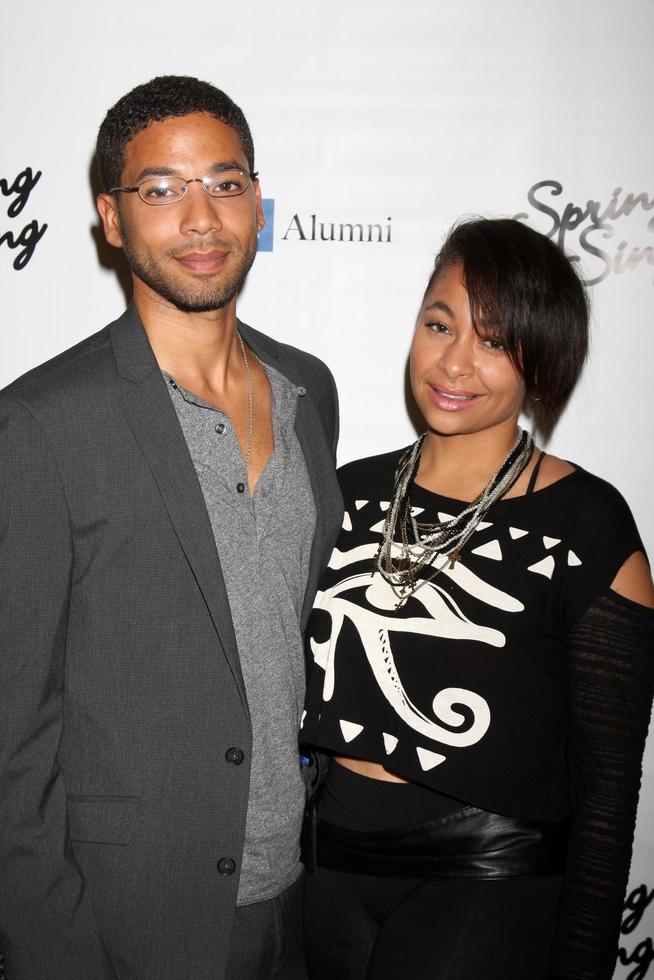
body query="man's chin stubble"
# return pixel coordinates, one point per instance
(188, 301)
(193, 304)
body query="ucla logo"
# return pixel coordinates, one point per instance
(315, 230)
(312, 229)
(266, 235)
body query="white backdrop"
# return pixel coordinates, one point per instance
(368, 112)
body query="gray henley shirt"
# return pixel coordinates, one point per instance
(264, 544)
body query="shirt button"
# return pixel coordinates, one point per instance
(302, 391)
(240, 487)
(173, 384)
(226, 866)
(234, 756)
(220, 428)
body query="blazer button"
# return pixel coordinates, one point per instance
(234, 756)
(226, 866)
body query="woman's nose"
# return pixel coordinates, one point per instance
(457, 358)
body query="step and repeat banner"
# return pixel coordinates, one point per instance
(376, 126)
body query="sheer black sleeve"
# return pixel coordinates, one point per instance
(611, 668)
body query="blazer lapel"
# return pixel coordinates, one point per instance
(320, 465)
(151, 416)
(326, 495)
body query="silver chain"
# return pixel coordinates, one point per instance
(248, 454)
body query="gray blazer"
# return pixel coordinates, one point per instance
(120, 683)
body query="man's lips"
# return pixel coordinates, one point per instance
(451, 400)
(203, 261)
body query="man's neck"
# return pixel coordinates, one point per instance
(197, 349)
(202, 352)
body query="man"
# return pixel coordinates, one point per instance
(151, 603)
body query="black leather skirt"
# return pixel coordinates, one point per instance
(373, 827)
(466, 843)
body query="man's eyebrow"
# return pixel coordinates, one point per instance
(162, 171)
(155, 172)
(218, 168)
(440, 305)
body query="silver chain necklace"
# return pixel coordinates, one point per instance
(402, 562)
(248, 454)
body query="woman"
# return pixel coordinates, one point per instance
(481, 657)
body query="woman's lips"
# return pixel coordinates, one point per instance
(203, 261)
(452, 401)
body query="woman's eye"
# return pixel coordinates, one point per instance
(436, 326)
(492, 343)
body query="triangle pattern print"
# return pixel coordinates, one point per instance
(390, 743)
(489, 550)
(429, 759)
(517, 532)
(350, 729)
(544, 567)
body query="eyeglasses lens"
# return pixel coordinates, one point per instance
(162, 190)
(230, 183)
(168, 190)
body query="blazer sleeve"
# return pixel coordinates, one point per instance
(334, 414)
(47, 928)
(323, 386)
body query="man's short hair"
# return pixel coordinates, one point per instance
(522, 285)
(162, 98)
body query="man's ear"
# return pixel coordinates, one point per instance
(261, 221)
(110, 218)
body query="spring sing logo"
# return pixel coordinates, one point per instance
(31, 234)
(611, 234)
(641, 956)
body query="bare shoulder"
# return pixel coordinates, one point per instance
(552, 469)
(634, 580)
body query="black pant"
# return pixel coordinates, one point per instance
(368, 927)
(361, 926)
(266, 941)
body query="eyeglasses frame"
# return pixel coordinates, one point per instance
(136, 189)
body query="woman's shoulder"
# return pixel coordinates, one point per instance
(589, 495)
(551, 469)
(590, 511)
(372, 474)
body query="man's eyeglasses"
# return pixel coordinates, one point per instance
(169, 190)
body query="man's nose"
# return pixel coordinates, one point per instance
(201, 212)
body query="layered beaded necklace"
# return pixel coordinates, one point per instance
(403, 563)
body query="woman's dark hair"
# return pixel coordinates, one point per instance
(163, 98)
(523, 287)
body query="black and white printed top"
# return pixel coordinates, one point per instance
(516, 681)
(463, 688)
